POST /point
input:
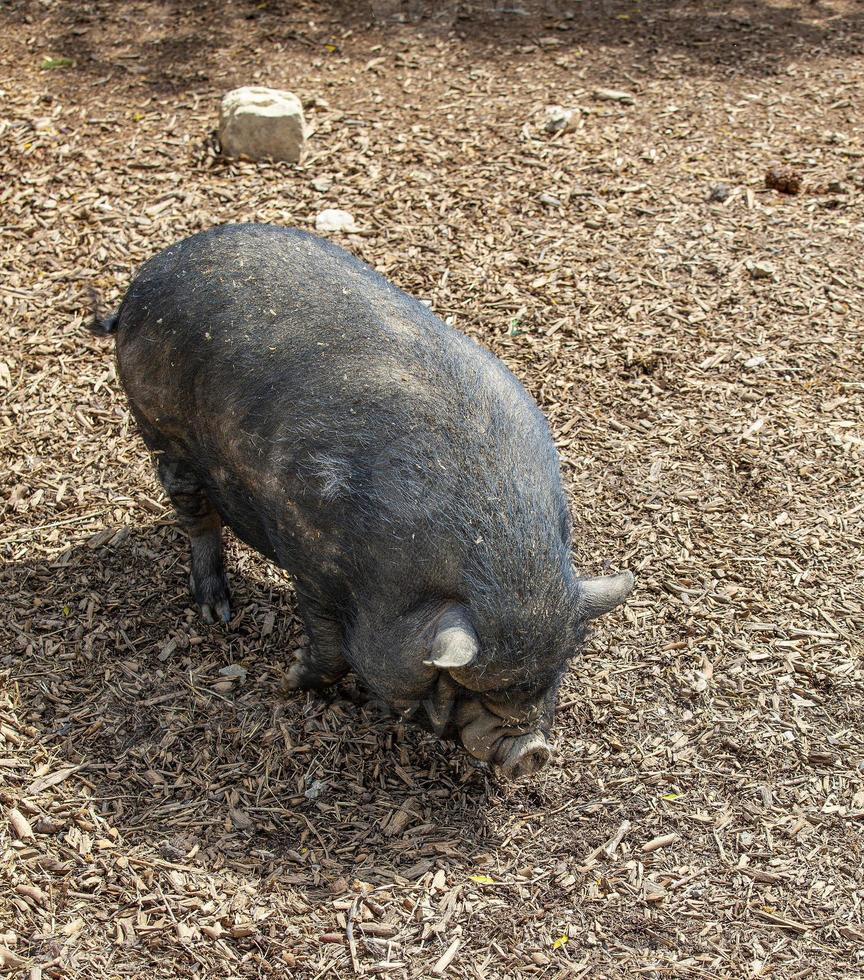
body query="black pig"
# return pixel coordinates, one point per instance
(397, 470)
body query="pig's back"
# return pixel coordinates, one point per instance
(293, 371)
(260, 320)
(251, 291)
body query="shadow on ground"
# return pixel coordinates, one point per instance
(178, 45)
(186, 738)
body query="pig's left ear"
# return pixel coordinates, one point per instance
(455, 643)
(602, 595)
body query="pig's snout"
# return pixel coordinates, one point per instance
(522, 756)
(515, 753)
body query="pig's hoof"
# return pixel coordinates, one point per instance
(212, 597)
(295, 677)
(221, 612)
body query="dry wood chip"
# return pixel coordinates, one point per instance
(664, 840)
(241, 819)
(20, 824)
(444, 962)
(32, 892)
(9, 959)
(654, 891)
(381, 929)
(41, 783)
(402, 818)
(781, 920)
(614, 95)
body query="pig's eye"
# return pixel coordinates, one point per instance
(514, 692)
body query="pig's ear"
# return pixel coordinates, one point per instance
(455, 642)
(602, 595)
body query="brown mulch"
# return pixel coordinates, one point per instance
(166, 811)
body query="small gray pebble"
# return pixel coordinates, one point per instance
(719, 193)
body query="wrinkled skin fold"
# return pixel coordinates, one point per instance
(512, 738)
(516, 750)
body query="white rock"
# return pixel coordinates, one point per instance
(334, 219)
(313, 790)
(260, 123)
(557, 118)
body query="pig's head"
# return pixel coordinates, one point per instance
(492, 681)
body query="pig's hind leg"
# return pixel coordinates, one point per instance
(198, 517)
(321, 663)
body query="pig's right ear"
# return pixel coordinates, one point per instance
(602, 595)
(455, 643)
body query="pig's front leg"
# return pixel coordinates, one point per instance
(198, 517)
(321, 663)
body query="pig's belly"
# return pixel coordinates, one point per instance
(274, 524)
(241, 509)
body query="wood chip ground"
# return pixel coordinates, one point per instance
(702, 365)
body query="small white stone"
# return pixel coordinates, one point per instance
(335, 219)
(262, 123)
(313, 790)
(557, 118)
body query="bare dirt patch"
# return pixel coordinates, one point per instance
(695, 339)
